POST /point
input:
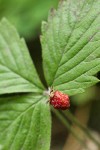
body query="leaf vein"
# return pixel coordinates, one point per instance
(65, 47)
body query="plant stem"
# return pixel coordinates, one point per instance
(69, 127)
(73, 119)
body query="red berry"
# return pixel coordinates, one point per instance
(59, 100)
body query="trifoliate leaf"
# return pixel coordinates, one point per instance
(71, 45)
(17, 73)
(24, 123)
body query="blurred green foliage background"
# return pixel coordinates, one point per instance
(26, 15)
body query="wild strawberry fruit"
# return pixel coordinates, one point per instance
(59, 100)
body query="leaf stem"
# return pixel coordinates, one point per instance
(69, 127)
(73, 119)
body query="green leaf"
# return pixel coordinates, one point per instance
(71, 45)
(17, 72)
(27, 15)
(24, 123)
